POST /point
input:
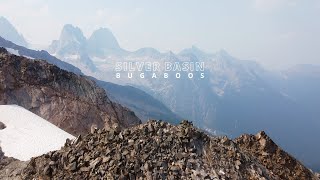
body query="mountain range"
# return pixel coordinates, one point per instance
(148, 108)
(235, 97)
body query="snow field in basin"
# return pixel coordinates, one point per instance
(27, 135)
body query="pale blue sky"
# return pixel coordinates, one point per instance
(276, 33)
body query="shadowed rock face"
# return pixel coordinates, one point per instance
(158, 150)
(73, 103)
(2, 126)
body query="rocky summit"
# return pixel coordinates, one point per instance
(72, 102)
(158, 150)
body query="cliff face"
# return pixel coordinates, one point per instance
(158, 150)
(73, 103)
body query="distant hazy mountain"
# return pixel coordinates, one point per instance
(301, 84)
(145, 106)
(71, 41)
(102, 42)
(195, 52)
(8, 32)
(71, 47)
(75, 49)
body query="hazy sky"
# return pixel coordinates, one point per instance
(276, 33)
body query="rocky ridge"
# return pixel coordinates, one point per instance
(272, 157)
(23, 51)
(72, 102)
(158, 150)
(10, 168)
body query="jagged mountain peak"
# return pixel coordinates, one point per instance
(171, 56)
(71, 47)
(71, 41)
(194, 50)
(223, 53)
(70, 27)
(147, 51)
(105, 37)
(9, 32)
(72, 33)
(102, 42)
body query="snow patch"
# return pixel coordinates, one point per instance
(13, 51)
(27, 135)
(29, 57)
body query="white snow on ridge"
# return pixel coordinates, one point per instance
(16, 52)
(27, 135)
(28, 57)
(13, 51)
